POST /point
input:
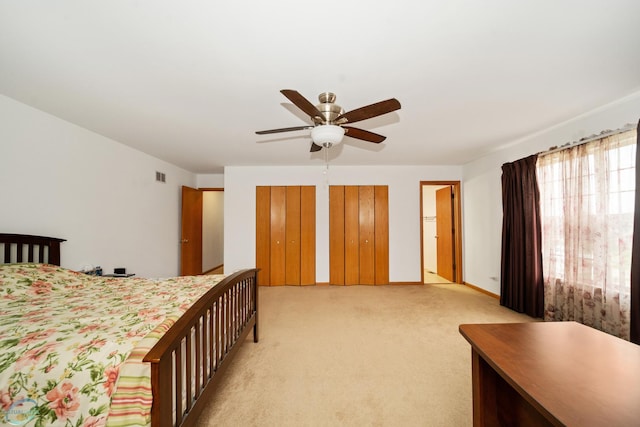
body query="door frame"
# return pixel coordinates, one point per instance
(457, 226)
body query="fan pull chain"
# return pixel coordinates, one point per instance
(326, 166)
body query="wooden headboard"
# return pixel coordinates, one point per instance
(36, 248)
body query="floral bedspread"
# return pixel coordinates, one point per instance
(64, 337)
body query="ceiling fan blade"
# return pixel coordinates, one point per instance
(265, 132)
(364, 135)
(302, 103)
(315, 147)
(369, 111)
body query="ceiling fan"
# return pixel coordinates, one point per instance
(329, 119)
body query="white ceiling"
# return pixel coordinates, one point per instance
(190, 81)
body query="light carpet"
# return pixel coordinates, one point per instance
(356, 356)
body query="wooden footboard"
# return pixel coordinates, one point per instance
(189, 359)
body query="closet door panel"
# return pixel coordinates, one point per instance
(382, 235)
(336, 235)
(307, 235)
(263, 234)
(292, 227)
(351, 236)
(278, 235)
(366, 214)
(358, 235)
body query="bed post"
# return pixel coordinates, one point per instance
(161, 384)
(54, 251)
(255, 302)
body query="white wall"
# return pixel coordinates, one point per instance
(404, 209)
(212, 229)
(61, 180)
(214, 180)
(64, 181)
(482, 187)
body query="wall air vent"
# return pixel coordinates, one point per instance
(161, 177)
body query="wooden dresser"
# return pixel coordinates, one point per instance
(552, 374)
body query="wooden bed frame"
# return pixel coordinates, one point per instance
(38, 249)
(188, 361)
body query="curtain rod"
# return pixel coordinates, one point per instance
(603, 134)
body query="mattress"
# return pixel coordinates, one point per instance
(71, 345)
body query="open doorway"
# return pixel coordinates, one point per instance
(441, 232)
(213, 231)
(202, 241)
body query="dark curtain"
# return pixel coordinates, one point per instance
(635, 257)
(521, 281)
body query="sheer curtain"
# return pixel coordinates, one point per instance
(587, 209)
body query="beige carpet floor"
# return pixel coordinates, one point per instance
(356, 356)
(432, 278)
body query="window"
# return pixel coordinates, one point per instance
(587, 196)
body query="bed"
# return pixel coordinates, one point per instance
(159, 368)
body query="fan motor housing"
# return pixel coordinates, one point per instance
(329, 109)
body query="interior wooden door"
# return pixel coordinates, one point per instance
(191, 233)
(444, 230)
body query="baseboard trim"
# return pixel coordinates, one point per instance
(390, 283)
(482, 291)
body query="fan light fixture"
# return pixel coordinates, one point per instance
(329, 119)
(327, 135)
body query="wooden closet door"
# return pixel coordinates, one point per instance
(278, 235)
(308, 235)
(292, 252)
(366, 241)
(359, 235)
(286, 235)
(263, 234)
(336, 235)
(351, 236)
(382, 235)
